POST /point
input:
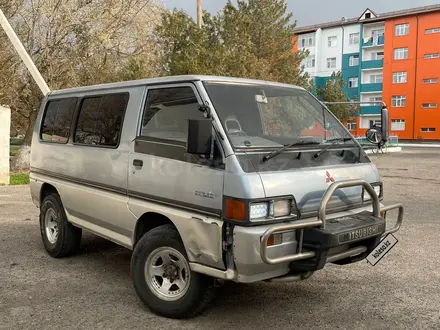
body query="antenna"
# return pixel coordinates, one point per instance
(23, 54)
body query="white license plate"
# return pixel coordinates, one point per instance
(382, 249)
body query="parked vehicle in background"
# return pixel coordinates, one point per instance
(205, 179)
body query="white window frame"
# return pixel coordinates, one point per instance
(353, 60)
(310, 61)
(398, 101)
(430, 81)
(397, 124)
(432, 30)
(401, 53)
(400, 77)
(332, 41)
(401, 29)
(429, 105)
(427, 129)
(375, 56)
(432, 55)
(331, 60)
(374, 99)
(351, 125)
(309, 40)
(378, 79)
(353, 82)
(354, 38)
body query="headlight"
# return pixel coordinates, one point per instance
(259, 211)
(378, 188)
(273, 209)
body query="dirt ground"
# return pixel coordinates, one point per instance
(93, 289)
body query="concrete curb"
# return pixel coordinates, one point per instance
(389, 149)
(419, 145)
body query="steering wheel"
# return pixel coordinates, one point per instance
(236, 132)
(236, 129)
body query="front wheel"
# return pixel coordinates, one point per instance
(162, 276)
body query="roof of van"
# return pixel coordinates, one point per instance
(166, 80)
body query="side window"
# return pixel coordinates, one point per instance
(167, 112)
(100, 120)
(57, 120)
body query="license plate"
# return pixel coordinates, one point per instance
(361, 233)
(382, 249)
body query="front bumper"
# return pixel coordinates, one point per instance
(319, 241)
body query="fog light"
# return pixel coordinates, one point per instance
(275, 239)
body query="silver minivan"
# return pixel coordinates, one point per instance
(206, 179)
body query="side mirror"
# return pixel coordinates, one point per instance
(199, 136)
(384, 124)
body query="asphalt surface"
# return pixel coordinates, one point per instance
(93, 290)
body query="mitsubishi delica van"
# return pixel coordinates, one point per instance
(207, 180)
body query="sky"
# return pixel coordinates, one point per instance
(305, 13)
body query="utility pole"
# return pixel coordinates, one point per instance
(23, 54)
(199, 13)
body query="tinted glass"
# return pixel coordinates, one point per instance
(57, 120)
(167, 112)
(100, 120)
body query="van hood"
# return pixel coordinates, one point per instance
(309, 185)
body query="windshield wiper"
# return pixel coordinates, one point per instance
(333, 142)
(281, 150)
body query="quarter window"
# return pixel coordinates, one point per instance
(167, 112)
(58, 120)
(100, 120)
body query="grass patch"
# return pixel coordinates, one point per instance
(19, 178)
(14, 150)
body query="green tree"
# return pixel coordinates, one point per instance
(252, 39)
(333, 91)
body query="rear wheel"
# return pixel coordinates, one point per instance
(162, 276)
(60, 238)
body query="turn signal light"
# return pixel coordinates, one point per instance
(235, 210)
(275, 239)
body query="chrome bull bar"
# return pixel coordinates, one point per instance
(321, 222)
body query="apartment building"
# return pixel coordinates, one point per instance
(394, 57)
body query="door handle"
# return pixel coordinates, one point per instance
(138, 162)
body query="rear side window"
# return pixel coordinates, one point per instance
(57, 120)
(100, 120)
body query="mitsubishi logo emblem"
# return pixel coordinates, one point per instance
(329, 178)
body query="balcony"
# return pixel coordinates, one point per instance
(370, 110)
(374, 41)
(368, 88)
(372, 64)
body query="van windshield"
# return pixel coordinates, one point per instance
(267, 116)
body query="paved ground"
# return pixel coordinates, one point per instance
(93, 289)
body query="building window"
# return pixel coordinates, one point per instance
(377, 56)
(376, 79)
(428, 129)
(397, 124)
(353, 82)
(375, 122)
(402, 29)
(332, 41)
(399, 77)
(430, 81)
(100, 120)
(57, 120)
(429, 105)
(431, 31)
(306, 40)
(331, 63)
(367, 15)
(353, 60)
(401, 53)
(398, 101)
(310, 61)
(433, 55)
(353, 38)
(351, 125)
(374, 100)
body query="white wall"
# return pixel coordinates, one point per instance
(365, 121)
(365, 97)
(5, 126)
(366, 52)
(349, 29)
(328, 52)
(370, 27)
